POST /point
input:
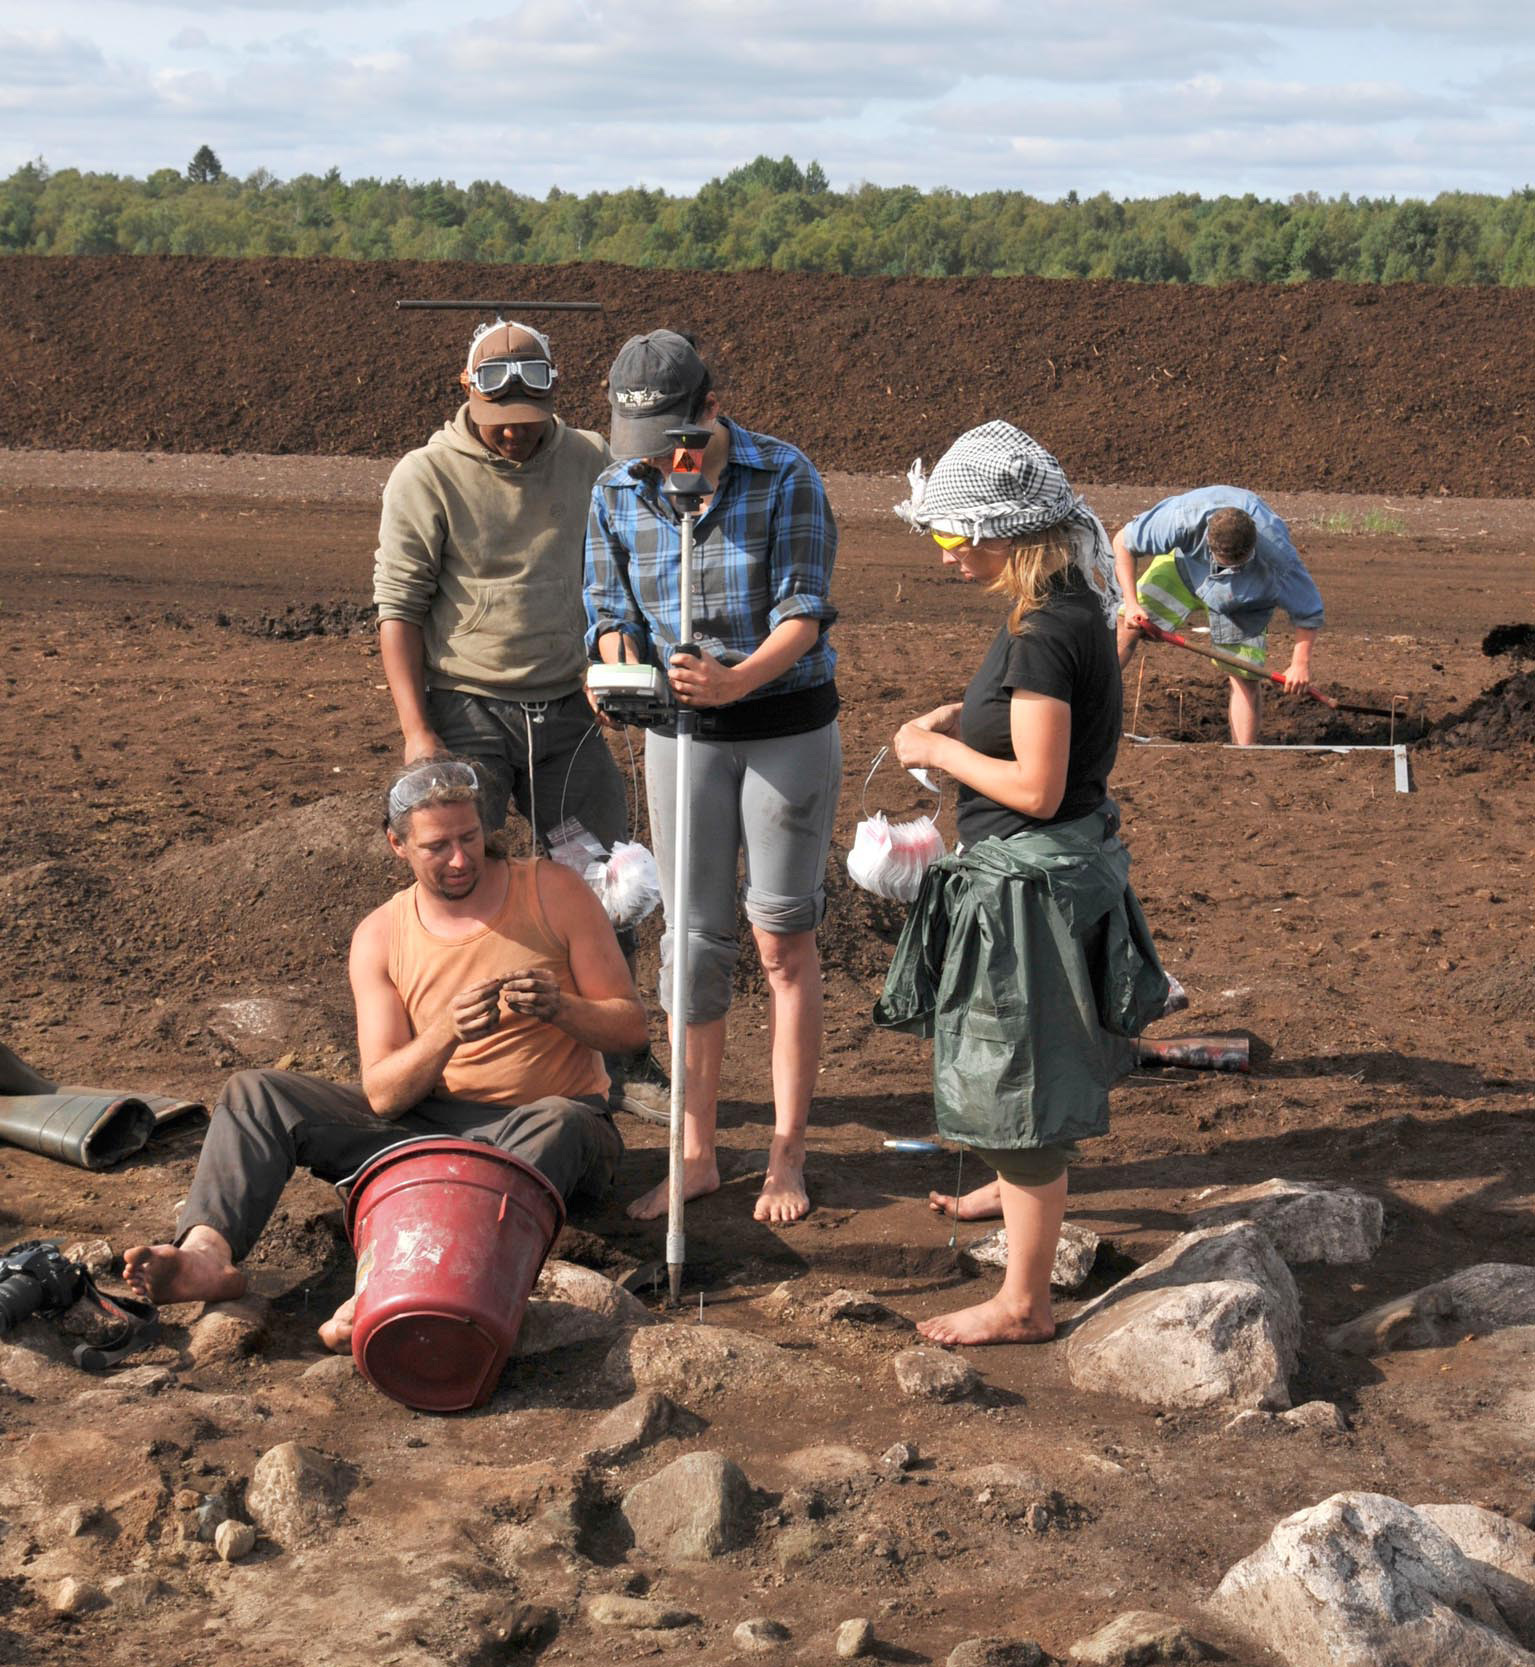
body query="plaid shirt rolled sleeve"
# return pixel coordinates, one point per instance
(763, 553)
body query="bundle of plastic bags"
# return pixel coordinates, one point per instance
(625, 879)
(890, 858)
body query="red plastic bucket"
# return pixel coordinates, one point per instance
(450, 1236)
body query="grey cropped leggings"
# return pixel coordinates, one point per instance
(770, 802)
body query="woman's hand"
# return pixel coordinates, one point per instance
(701, 680)
(917, 746)
(941, 720)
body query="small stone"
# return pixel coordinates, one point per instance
(698, 1506)
(186, 1499)
(233, 1540)
(902, 1455)
(780, 1299)
(1139, 1638)
(636, 1614)
(229, 1331)
(1250, 1422)
(94, 1255)
(332, 1372)
(997, 1652)
(516, 1626)
(1036, 1519)
(636, 1424)
(1316, 1415)
(855, 1638)
(296, 1492)
(933, 1375)
(135, 1591)
(759, 1635)
(857, 1308)
(75, 1597)
(214, 1511)
(79, 1518)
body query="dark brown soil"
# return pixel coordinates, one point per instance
(192, 820)
(1311, 387)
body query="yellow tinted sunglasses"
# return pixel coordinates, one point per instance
(949, 541)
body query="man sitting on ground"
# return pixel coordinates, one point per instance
(486, 995)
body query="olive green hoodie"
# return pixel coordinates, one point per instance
(487, 557)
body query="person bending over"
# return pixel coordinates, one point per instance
(486, 993)
(1025, 957)
(1222, 549)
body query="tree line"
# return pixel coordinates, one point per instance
(774, 214)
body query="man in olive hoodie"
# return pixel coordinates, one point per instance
(478, 574)
(478, 584)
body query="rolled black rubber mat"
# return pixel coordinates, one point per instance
(92, 1128)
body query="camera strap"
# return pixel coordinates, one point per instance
(136, 1324)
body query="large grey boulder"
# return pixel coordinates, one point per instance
(1471, 1303)
(698, 1506)
(1307, 1222)
(1213, 1321)
(296, 1494)
(638, 1423)
(1503, 1556)
(572, 1306)
(1362, 1580)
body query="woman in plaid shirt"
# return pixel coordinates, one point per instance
(767, 754)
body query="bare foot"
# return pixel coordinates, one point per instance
(699, 1175)
(980, 1205)
(199, 1269)
(988, 1322)
(336, 1333)
(783, 1197)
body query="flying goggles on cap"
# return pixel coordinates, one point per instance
(500, 378)
(426, 779)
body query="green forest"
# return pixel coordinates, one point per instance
(774, 214)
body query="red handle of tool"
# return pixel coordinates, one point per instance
(1210, 652)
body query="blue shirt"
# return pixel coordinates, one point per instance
(762, 553)
(1274, 577)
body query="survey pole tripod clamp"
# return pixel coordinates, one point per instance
(687, 488)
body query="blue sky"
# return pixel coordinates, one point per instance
(1136, 99)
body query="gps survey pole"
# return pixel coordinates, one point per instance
(687, 489)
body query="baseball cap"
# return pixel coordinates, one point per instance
(654, 385)
(519, 404)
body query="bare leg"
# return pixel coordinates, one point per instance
(199, 1269)
(1245, 709)
(700, 1171)
(981, 1205)
(795, 1023)
(1020, 1311)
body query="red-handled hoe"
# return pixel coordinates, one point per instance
(1209, 651)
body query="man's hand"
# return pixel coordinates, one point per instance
(475, 1012)
(423, 743)
(1134, 615)
(602, 718)
(701, 680)
(535, 992)
(1297, 678)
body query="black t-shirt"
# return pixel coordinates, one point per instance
(1065, 651)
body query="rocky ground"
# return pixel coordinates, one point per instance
(196, 725)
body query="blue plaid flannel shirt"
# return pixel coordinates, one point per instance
(763, 552)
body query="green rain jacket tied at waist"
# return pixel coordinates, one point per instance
(1029, 963)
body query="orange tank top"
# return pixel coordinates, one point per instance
(524, 1059)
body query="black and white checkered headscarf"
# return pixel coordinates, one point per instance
(996, 482)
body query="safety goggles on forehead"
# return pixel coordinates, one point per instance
(418, 785)
(948, 541)
(496, 378)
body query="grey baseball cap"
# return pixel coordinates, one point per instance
(654, 385)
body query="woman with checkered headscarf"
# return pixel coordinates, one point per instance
(1026, 958)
